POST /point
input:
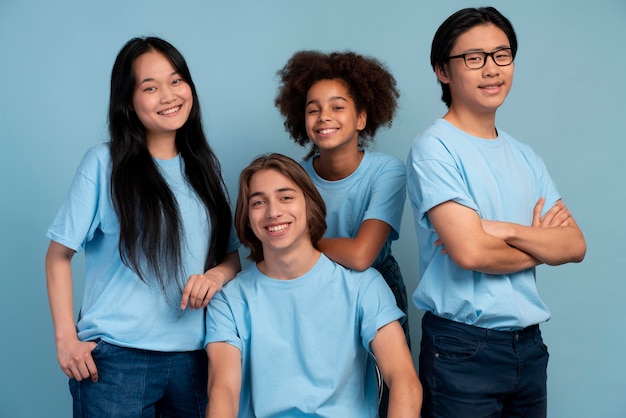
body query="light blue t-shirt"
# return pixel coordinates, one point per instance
(376, 190)
(117, 306)
(304, 342)
(502, 180)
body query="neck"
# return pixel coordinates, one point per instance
(162, 147)
(482, 125)
(289, 264)
(334, 165)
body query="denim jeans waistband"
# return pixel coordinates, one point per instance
(433, 322)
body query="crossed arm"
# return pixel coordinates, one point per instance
(494, 247)
(73, 355)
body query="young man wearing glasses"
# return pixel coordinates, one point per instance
(486, 214)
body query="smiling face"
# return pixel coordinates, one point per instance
(483, 90)
(332, 120)
(277, 213)
(162, 100)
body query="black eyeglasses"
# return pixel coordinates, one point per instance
(475, 60)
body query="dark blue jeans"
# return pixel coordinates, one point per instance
(140, 384)
(473, 372)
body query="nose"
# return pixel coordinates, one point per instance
(167, 94)
(491, 68)
(324, 114)
(272, 210)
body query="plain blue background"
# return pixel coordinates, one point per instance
(567, 102)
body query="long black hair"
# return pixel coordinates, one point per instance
(150, 224)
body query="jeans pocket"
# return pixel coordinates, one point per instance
(100, 345)
(454, 348)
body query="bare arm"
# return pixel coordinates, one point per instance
(224, 384)
(200, 288)
(73, 355)
(360, 252)
(554, 238)
(470, 246)
(396, 365)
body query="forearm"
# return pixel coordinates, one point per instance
(228, 268)
(405, 397)
(60, 293)
(553, 246)
(222, 402)
(491, 255)
(348, 252)
(360, 252)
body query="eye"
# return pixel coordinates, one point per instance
(474, 57)
(178, 81)
(286, 198)
(338, 108)
(149, 89)
(257, 202)
(503, 54)
(312, 111)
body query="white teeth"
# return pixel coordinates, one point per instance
(170, 111)
(327, 131)
(277, 228)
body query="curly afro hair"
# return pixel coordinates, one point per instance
(370, 85)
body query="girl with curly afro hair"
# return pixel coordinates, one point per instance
(335, 103)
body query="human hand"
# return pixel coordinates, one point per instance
(438, 243)
(74, 357)
(558, 215)
(200, 288)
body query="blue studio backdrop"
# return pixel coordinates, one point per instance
(567, 102)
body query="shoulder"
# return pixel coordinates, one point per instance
(433, 139)
(379, 160)
(98, 155)
(242, 280)
(96, 163)
(352, 277)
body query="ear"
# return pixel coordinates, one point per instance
(442, 76)
(361, 120)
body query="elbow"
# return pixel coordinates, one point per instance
(361, 264)
(467, 259)
(579, 252)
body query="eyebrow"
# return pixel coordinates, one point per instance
(469, 51)
(330, 100)
(281, 190)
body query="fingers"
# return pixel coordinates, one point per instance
(80, 364)
(537, 211)
(558, 215)
(198, 291)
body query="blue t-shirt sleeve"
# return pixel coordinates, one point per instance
(77, 220)
(220, 322)
(546, 184)
(388, 196)
(377, 306)
(433, 177)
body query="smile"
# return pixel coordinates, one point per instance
(327, 131)
(170, 111)
(277, 228)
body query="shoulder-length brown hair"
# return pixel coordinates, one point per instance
(315, 207)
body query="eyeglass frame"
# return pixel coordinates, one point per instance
(487, 55)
